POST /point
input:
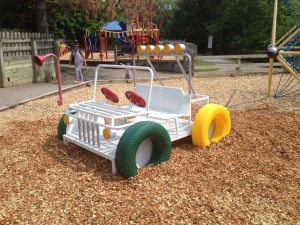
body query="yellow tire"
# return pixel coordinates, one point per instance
(211, 124)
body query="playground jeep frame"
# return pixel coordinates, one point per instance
(140, 133)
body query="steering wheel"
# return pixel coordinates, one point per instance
(135, 98)
(110, 95)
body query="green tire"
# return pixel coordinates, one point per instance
(62, 127)
(130, 142)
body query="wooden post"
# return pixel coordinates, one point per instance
(1, 65)
(289, 38)
(106, 44)
(284, 36)
(34, 53)
(271, 63)
(116, 54)
(137, 31)
(56, 48)
(193, 66)
(238, 68)
(100, 39)
(289, 52)
(273, 41)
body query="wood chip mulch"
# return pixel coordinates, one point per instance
(252, 176)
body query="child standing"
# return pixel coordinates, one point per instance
(79, 61)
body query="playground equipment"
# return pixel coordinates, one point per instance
(126, 35)
(91, 44)
(39, 60)
(285, 51)
(140, 133)
(63, 49)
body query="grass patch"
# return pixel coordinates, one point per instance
(243, 61)
(206, 70)
(66, 69)
(278, 67)
(202, 63)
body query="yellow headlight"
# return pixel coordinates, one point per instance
(168, 49)
(141, 49)
(149, 49)
(179, 48)
(106, 133)
(66, 120)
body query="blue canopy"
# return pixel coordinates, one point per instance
(112, 26)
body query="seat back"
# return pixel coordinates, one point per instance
(166, 99)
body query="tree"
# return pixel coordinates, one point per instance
(241, 26)
(17, 15)
(190, 20)
(88, 8)
(91, 9)
(237, 26)
(164, 16)
(41, 16)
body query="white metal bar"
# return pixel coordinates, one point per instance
(108, 152)
(184, 73)
(152, 67)
(117, 110)
(102, 113)
(83, 130)
(109, 126)
(176, 126)
(89, 129)
(93, 130)
(114, 168)
(79, 129)
(190, 73)
(90, 110)
(118, 116)
(98, 135)
(120, 67)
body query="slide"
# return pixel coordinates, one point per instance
(122, 41)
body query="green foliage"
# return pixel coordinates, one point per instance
(68, 25)
(64, 22)
(190, 19)
(164, 16)
(241, 27)
(238, 26)
(17, 15)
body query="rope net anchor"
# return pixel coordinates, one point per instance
(286, 52)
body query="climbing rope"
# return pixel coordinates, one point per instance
(294, 61)
(287, 86)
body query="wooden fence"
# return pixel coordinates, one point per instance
(16, 57)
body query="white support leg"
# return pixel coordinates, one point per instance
(114, 168)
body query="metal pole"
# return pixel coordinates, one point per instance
(106, 45)
(39, 60)
(2, 81)
(155, 72)
(100, 39)
(273, 41)
(57, 66)
(187, 77)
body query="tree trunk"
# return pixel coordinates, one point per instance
(41, 16)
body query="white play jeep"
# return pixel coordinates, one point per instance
(141, 133)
